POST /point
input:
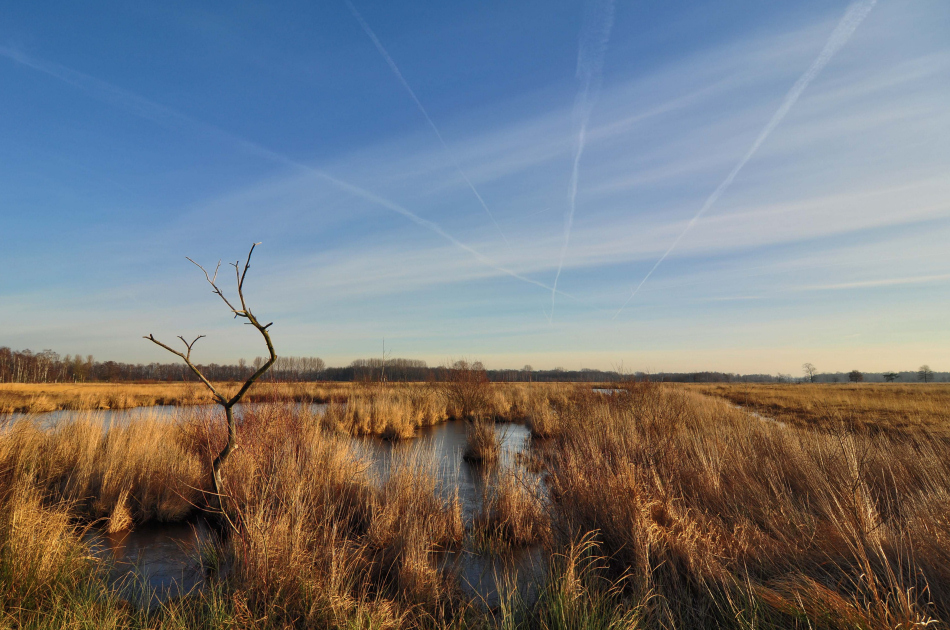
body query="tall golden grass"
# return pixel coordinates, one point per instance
(392, 410)
(723, 517)
(662, 507)
(482, 444)
(42, 397)
(139, 471)
(512, 512)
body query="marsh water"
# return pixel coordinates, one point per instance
(152, 563)
(481, 575)
(117, 417)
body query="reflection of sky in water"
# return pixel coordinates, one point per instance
(110, 417)
(155, 561)
(163, 557)
(485, 578)
(480, 576)
(445, 443)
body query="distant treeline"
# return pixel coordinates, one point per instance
(24, 366)
(880, 377)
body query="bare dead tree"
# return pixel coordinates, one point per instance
(227, 402)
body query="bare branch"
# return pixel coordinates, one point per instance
(227, 403)
(207, 277)
(157, 342)
(241, 275)
(247, 265)
(189, 345)
(211, 280)
(237, 277)
(187, 359)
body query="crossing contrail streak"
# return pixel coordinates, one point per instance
(595, 35)
(162, 114)
(853, 17)
(392, 65)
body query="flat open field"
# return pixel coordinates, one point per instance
(860, 406)
(40, 397)
(877, 406)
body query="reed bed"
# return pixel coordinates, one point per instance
(135, 472)
(575, 594)
(393, 412)
(314, 539)
(729, 520)
(482, 444)
(42, 397)
(661, 507)
(513, 513)
(390, 410)
(398, 411)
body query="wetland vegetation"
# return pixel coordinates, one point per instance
(653, 506)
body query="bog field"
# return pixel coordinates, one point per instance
(641, 505)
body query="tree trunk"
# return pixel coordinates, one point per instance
(218, 461)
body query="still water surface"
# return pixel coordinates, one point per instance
(155, 562)
(117, 417)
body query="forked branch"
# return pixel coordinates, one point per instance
(227, 402)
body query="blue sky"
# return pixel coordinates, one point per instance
(134, 134)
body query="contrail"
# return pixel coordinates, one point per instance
(853, 17)
(592, 46)
(162, 114)
(392, 65)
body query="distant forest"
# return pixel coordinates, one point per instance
(24, 366)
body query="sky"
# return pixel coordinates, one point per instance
(653, 185)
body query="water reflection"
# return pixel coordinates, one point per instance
(486, 577)
(445, 443)
(118, 417)
(153, 563)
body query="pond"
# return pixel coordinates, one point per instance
(155, 562)
(481, 576)
(117, 417)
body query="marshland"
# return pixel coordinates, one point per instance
(571, 315)
(655, 505)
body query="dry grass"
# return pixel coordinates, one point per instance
(397, 411)
(860, 406)
(690, 514)
(40, 549)
(410, 525)
(321, 541)
(482, 444)
(136, 472)
(390, 411)
(41, 397)
(513, 513)
(538, 406)
(317, 541)
(723, 517)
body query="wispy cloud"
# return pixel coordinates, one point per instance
(392, 65)
(595, 35)
(881, 282)
(844, 203)
(162, 114)
(839, 37)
